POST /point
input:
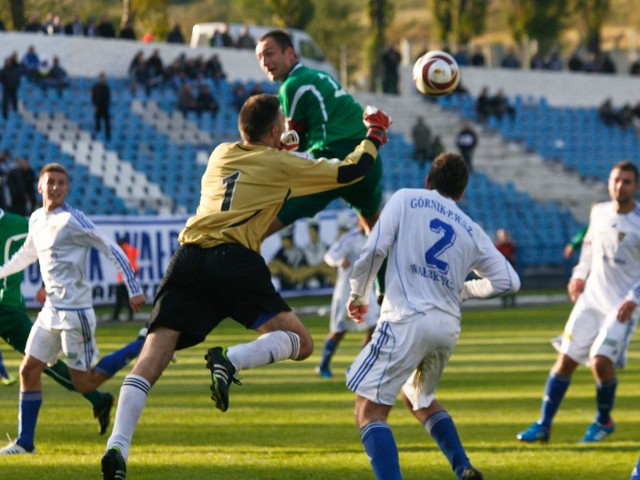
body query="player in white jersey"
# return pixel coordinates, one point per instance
(432, 247)
(342, 254)
(605, 286)
(60, 238)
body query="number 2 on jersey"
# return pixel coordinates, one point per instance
(448, 238)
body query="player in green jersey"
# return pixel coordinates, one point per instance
(329, 123)
(15, 324)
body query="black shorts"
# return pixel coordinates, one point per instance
(203, 286)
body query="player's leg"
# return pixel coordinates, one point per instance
(7, 379)
(635, 474)
(579, 334)
(154, 358)
(329, 349)
(377, 438)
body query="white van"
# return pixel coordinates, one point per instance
(306, 48)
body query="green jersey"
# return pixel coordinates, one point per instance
(327, 118)
(13, 231)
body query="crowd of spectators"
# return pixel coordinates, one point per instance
(496, 105)
(624, 117)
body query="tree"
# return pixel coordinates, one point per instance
(460, 20)
(380, 13)
(292, 13)
(151, 15)
(591, 15)
(542, 20)
(17, 14)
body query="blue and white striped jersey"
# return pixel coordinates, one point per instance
(61, 240)
(432, 247)
(610, 257)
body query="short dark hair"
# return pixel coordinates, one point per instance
(53, 167)
(627, 166)
(449, 175)
(281, 37)
(258, 115)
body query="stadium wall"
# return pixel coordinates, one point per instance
(87, 57)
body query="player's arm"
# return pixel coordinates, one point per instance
(581, 270)
(497, 276)
(25, 256)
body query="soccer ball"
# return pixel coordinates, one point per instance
(436, 73)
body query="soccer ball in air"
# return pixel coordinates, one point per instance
(436, 73)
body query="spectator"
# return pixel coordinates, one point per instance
(53, 25)
(239, 95)
(57, 77)
(245, 40)
(287, 260)
(634, 68)
(175, 35)
(461, 56)
(437, 147)
(17, 187)
(537, 62)
(391, 59)
(33, 25)
(575, 63)
(91, 29)
(140, 75)
(593, 63)
(2, 27)
(74, 27)
(500, 106)
(507, 247)
(105, 28)
(147, 37)
(483, 105)
(4, 170)
(127, 32)
(221, 38)
(205, 101)
(101, 100)
(320, 274)
(467, 141)
(155, 65)
(214, 70)
(607, 64)
(554, 62)
(421, 135)
(10, 80)
(29, 179)
(477, 59)
(511, 60)
(607, 112)
(186, 101)
(30, 63)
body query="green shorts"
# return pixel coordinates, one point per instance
(364, 196)
(15, 326)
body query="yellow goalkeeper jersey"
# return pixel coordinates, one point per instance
(244, 187)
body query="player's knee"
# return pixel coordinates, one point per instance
(306, 346)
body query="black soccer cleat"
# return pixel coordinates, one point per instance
(472, 473)
(222, 375)
(113, 466)
(103, 412)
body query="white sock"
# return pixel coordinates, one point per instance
(133, 397)
(268, 348)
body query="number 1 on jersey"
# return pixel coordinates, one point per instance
(229, 183)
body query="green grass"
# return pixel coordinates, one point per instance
(284, 423)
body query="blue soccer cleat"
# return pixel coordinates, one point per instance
(535, 433)
(635, 475)
(324, 372)
(597, 432)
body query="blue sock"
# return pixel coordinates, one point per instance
(635, 474)
(113, 362)
(381, 449)
(441, 427)
(605, 395)
(329, 349)
(30, 403)
(553, 394)
(3, 370)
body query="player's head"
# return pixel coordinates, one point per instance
(53, 184)
(276, 54)
(449, 175)
(623, 184)
(261, 120)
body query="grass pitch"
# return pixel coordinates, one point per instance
(285, 423)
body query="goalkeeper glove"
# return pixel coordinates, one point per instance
(289, 140)
(377, 123)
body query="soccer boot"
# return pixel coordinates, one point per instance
(103, 412)
(635, 474)
(323, 372)
(472, 473)
(10, 380)
(597, 432)
(113, 465)
(222, 374)
(535, 433)
(14, 449)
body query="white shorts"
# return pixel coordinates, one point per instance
(590, 332)
(67, 332)
(413, 353)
